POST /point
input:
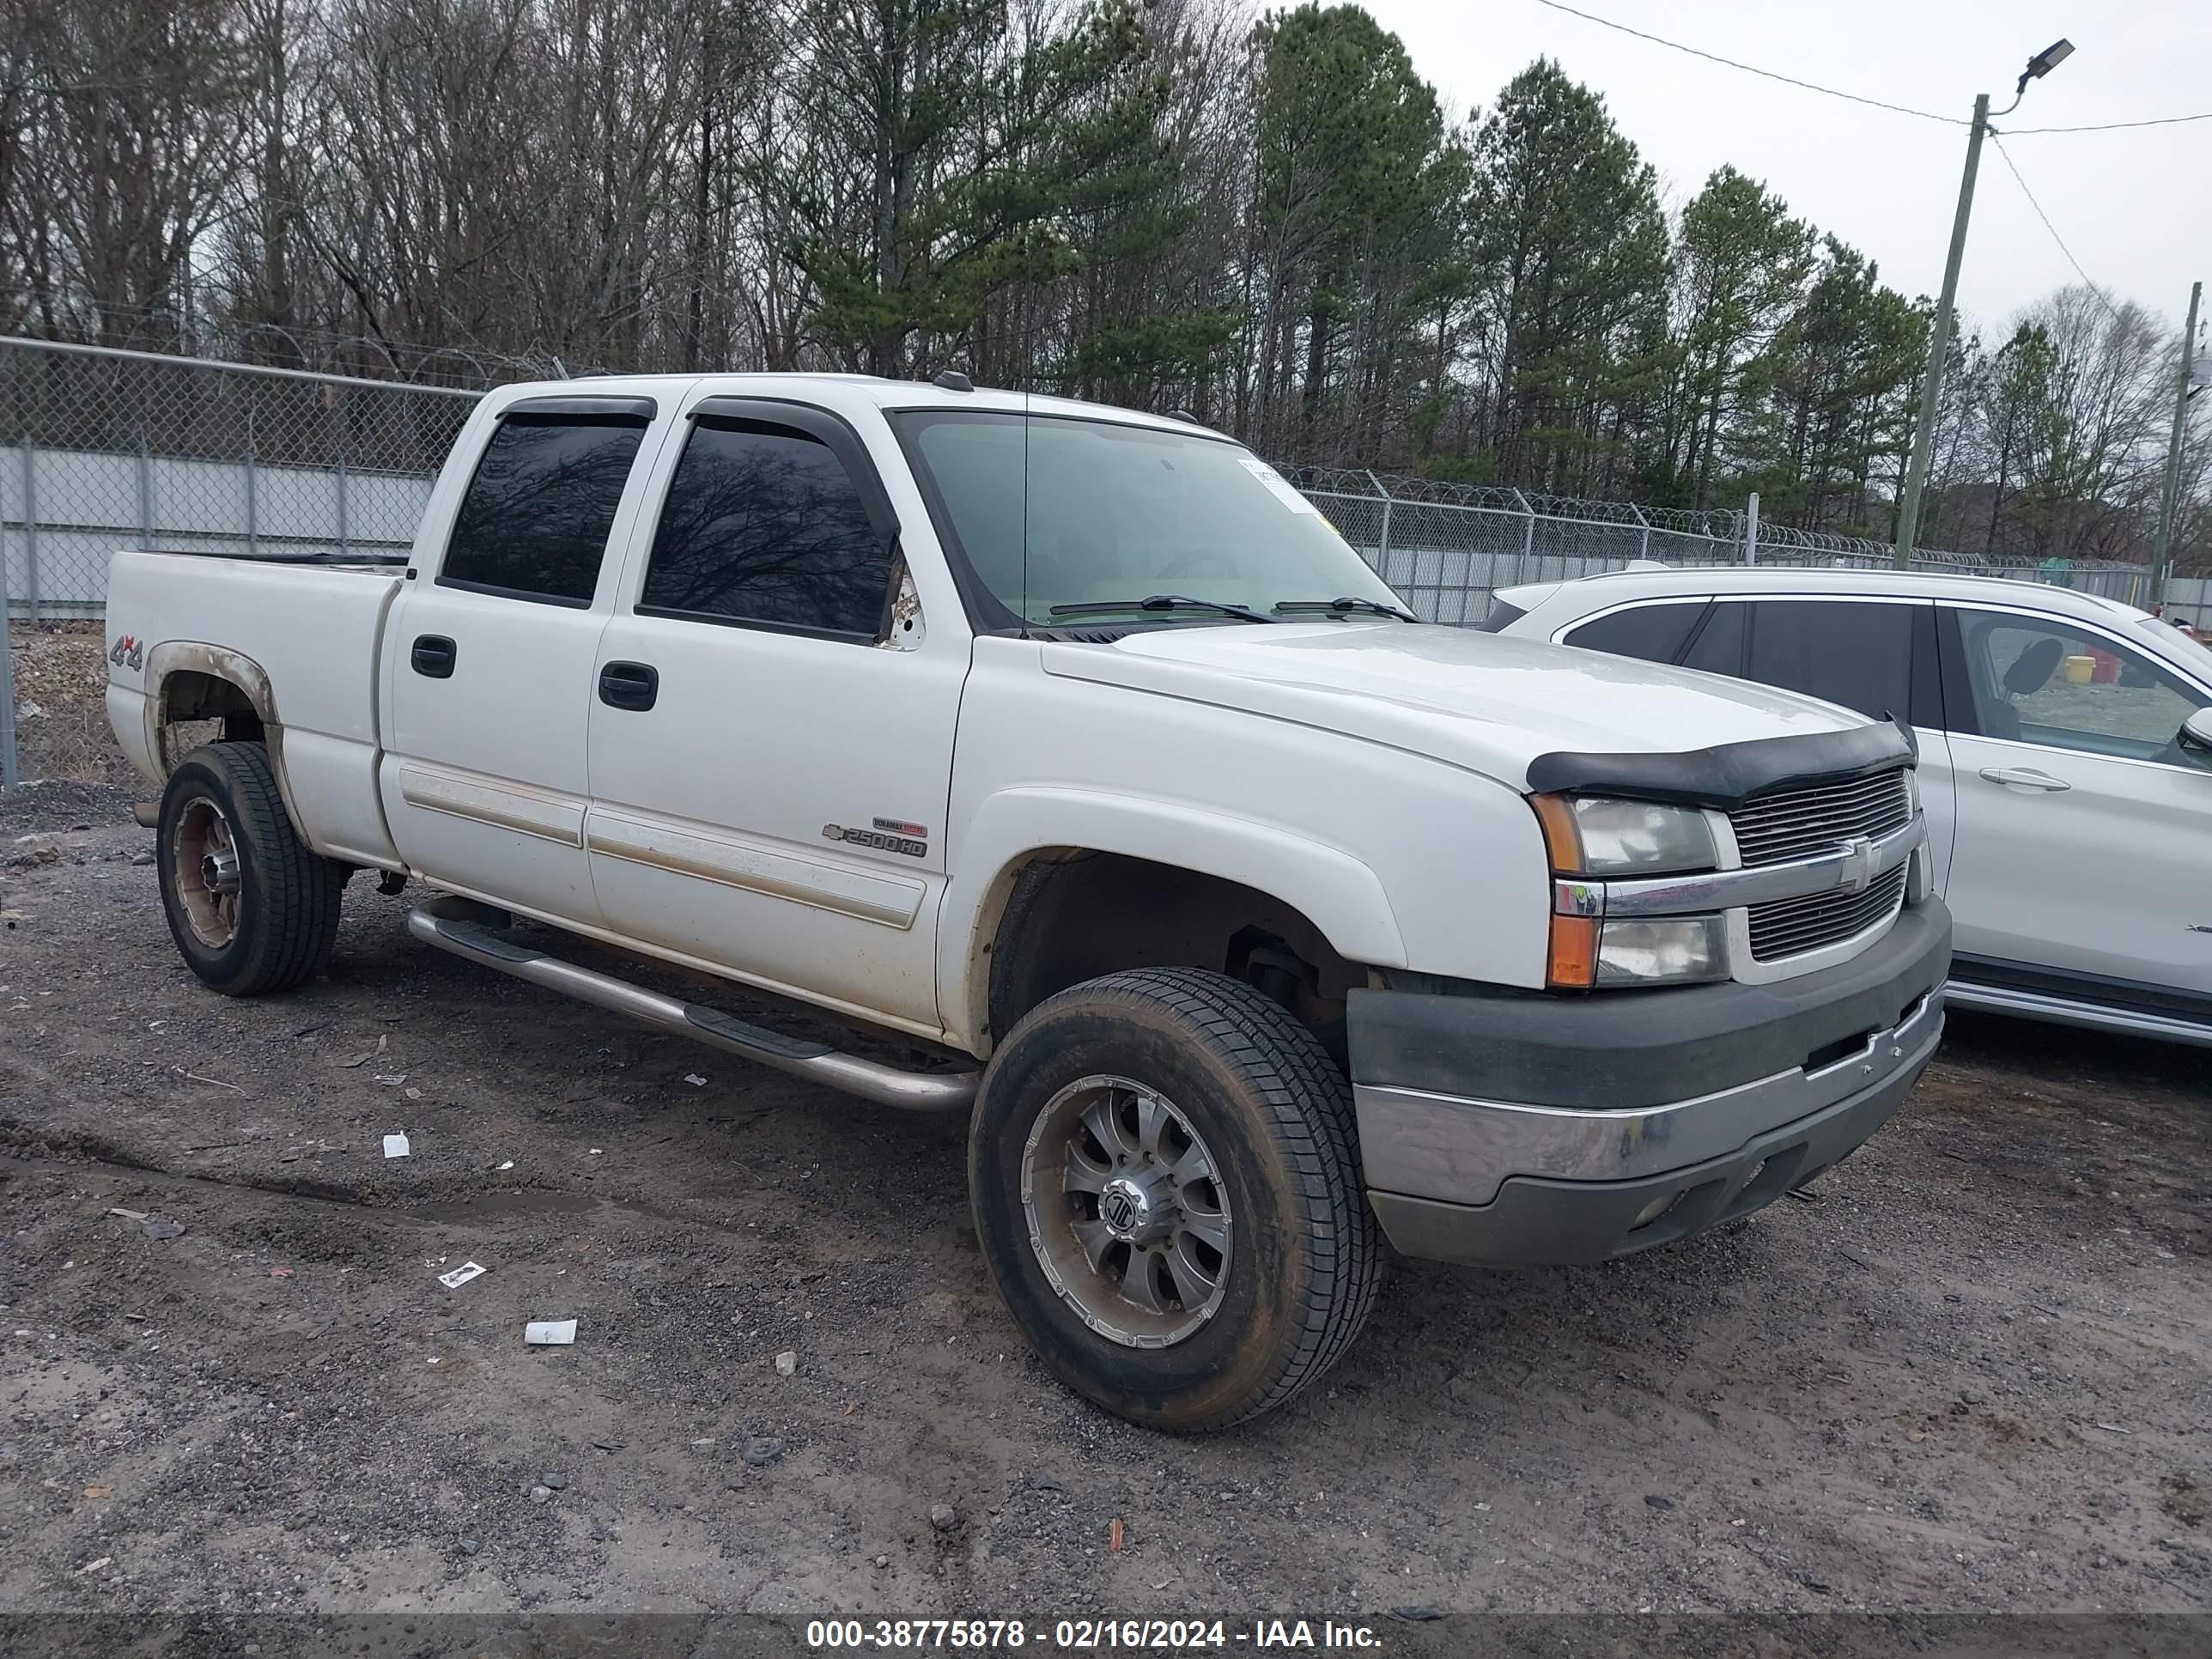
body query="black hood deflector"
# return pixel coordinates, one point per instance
(1729, 774)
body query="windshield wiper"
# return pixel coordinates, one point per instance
(1338, 607)
(1159, 602)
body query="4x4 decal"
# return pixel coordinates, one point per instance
(130, 651)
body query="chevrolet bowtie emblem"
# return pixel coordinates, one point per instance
(1858, 864)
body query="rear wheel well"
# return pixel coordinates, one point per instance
(197, 707)
(1072, 915)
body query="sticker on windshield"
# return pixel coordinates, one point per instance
(1277, 486)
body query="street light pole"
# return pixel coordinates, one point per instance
(2163, 551)
(1939, 342)
(1939, 348)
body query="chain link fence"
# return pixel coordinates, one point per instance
(101, 449)
(1445, 548)
(106, 449)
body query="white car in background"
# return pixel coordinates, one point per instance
(2066, 758)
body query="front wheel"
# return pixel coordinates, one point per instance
(1166, 1188)
(252, 907)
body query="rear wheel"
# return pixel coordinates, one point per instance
(1166, 1188)
(252, 907)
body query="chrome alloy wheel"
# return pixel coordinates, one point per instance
(1127, 1211)
(204, 862)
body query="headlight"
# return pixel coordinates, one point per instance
(1595, 837)
(1673, 949)
(1592, 836)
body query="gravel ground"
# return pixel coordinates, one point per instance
(61, 710)
(1969, 1376)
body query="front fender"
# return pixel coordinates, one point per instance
(1337, 892)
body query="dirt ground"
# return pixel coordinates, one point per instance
(61, 713)
(1970, 1375)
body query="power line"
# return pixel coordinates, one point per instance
(2115, 126)
(1751, 68)
(1853, 97)
(2110, 310)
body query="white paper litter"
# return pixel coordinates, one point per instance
(550, 1333)
(510, 1164)
(460, 1275)
(695, 1079)
(395, 1146)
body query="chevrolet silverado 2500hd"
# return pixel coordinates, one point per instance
(1250, 920)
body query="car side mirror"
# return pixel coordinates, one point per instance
(2196, 731)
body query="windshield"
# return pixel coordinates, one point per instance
(1092, 512)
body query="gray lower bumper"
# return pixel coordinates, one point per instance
(1536, 1220)
(1560, 1130)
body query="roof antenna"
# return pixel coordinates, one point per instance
(953, 380)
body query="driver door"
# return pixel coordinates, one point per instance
(2084, 827)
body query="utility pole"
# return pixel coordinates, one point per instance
(2162, 550)
(1939, 344)
(1939, 348)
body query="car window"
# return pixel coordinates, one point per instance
(1501, 617)
(2052, 682)
(1050, 514)
(1656, 633)
(1854, 653)
(1717, 647)
(763, 526)
(534, 522)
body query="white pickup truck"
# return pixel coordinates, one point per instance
(1250, 920)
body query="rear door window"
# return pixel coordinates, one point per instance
(1856, 654)
(1657, 633)
(534, 523)
(1717, 647)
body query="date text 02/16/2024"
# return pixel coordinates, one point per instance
(1090, 1635)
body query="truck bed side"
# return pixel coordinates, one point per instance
(302, 643)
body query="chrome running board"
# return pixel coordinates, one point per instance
(453, 925)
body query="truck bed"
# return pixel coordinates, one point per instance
(305, 636)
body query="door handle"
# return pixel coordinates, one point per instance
(629, 685)
(2025, 777)
(433, 656)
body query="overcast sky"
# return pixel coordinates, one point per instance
(2135, 207)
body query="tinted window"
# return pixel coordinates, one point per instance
(1717, 647)
(1858, 656)
(1502, 615)
(762, 525)
(535, 521)
(1654, 632)
(2052, 682)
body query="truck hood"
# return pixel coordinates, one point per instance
(1484, 702)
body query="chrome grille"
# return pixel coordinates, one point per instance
(1797, 824)
(1790, 927)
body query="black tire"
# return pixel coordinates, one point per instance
(284, 918)
(1275, 1114)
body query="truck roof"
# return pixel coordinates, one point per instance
(842, 389)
